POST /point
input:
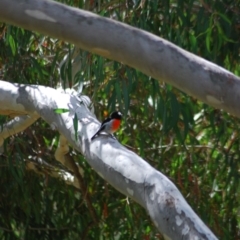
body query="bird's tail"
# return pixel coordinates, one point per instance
(95, 135)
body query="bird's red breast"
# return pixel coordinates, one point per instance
(116, 124)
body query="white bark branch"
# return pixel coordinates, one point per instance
(122, 168)
(152, 55)
(16, 125)
(60, 153)
(42, 168)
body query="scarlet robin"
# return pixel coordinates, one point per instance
(110, 125)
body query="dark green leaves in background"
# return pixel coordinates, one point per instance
(192, 143)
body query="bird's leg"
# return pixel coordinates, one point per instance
(112, 136)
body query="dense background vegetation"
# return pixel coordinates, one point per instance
(196, 146)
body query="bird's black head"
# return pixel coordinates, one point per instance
(116, 115)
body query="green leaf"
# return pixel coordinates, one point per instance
(69, 67)
(175, 109)
(125, 97)
(193, 42)
(37, 67)
(61, 110)
(224, 17)
(75, 125)
(12, 44)
(208, 39)
(118, 91)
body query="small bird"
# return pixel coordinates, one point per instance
(110, 124)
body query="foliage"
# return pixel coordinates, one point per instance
(193, 144)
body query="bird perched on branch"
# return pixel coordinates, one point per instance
(110, 125)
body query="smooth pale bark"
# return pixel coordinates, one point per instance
(122, 168)
(139, 49)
